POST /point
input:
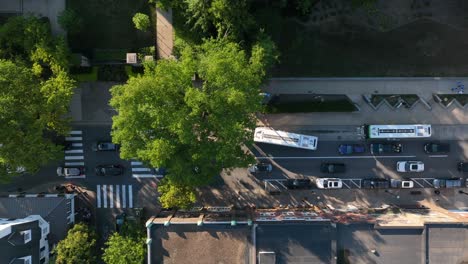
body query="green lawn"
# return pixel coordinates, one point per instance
(108, 25)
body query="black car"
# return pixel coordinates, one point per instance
(381, 148)
(332, 167)
(105, 146)
(462, 167)
(109, 170)
(298, 184)
(436, 148)
(375, 183)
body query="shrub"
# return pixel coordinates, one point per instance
(141, 21)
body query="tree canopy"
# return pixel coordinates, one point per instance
(194, 129)
(142, 21)
(35, 92)
(79, 247)
(126, 247)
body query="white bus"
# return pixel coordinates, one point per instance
(397, 131)
(268, 135)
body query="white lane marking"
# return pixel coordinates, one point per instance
(438, 156)
(76, 132)
(73, 138)
(145, 176)
(74, 157)
(104, 195)
(117, 196)
(124, 198)
(98, 196)
(77, 144)
(341, 157)
(74, 163)
(141, 169)
(74, 151)
(130, 196)
(111, 194)
(76, 177)
(136, 163)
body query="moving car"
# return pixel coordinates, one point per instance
(70, 171)
(105, 146)
(410, 166)
(375, 183)
(261, 167)
(347, 149)
(298, 184)
(381, 148)
(332, 167)
(447, 183)
(109, 170)
(404, 184)
(436, 148)
(462, 167)
(329, 183)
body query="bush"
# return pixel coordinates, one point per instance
(141, 21)
(113, 73)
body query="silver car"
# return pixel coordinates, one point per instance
(70, 171)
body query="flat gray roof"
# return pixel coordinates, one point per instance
(296, 243)
(357, 241)
(448, 243)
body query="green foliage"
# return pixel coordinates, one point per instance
(304, 6)
(124, 250)
(28, 109)
(141, 21)
(174, 195)
(167, 121)
(79, 247)
(264, 53)
(70, 21)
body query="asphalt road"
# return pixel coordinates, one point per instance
(291, 162)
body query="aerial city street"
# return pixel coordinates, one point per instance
(246, 131)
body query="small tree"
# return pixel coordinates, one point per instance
(70, 21)
(141, 21)
(126, 247)
(78, 247)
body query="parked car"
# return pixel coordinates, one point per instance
(347, 149)
(375, 183)
(436, 148)
(410, 166)
(332, 167)
(447, 183)
(298, 184)
(70, 171)
(329, 183)
(109, 170)
(381, 148)
(404, 184)
(105, 146)
(261, 167)
(462, 167)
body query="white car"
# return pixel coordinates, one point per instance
(404, 184)
(329, 183)
(70, 171)
(410, 166)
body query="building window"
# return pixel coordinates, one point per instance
(27, 235)
(27, 259)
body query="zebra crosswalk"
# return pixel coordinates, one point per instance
(74, 151)
(140, 171)
(114, 196)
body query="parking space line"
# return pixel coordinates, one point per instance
(282, 185)
(344, 183)
(140, 169)
(111, 194)
(145, 176)
(438, 156)
(104, 195)
(76, 132)
(98, 196)
(416, 181)
(77, 144)
(73, 138)
(73, 151)
(359, 186)
(130, 196)
(341, 157)
(136, 163)
(74, 163)
(425, 180)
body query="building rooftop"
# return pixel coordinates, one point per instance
(189, 243)
(296, 243)
(13, 246)
(447, 243)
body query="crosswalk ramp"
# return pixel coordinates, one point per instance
(114, 196)
(74, 154)
(140, 171)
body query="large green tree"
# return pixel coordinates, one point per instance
(79, 247)
(193, 129)
(126, 247)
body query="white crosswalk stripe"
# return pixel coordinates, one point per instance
(114, 196)
(74, 156)
(140, 171)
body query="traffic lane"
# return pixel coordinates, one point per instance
(459, 149)
(365, 168)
